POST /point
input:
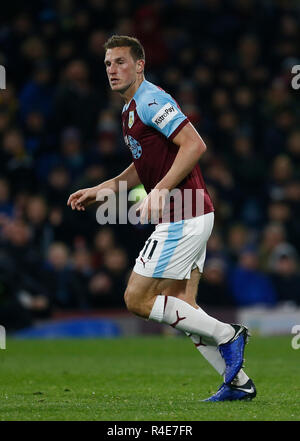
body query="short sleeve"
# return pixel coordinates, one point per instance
(161, 112)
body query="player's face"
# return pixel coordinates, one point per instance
(121, 68)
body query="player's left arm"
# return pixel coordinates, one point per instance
(191, 148)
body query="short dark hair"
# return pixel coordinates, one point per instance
(136, 49)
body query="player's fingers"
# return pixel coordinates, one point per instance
(142, 211)
(74, 204)
(139, 208)
(146, 213)
(74, 196)
(79, 207)
(82, 199)
(70, 199)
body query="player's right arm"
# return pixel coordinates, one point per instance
(87, 196)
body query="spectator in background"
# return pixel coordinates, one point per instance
(37, 93)
(76, 103)
(238, 238)
(248, 169)
(277, 98)
(17, 165)
(249, 285)
(107, 123)
(282, 212)
(49, 26)
(284, 268)
(82, 272)
(6, 205)
(37, 217)
(95, 52)
(216, 247)
(9, 105)
(81, 18)
(20, 202)
(60, 279)
(220, 101)
(106, 287)
(227, 126)
(213, 287)
(104, 243)
(4, 124)
(279, 212)
(34, 52)
(100, 290)
(21, 301)
(246, 107)
(248, 53)
(171, 77)
(116, 265)
(12, 315)
(65, 53)
(220, 177)
(273, 234)
(203, 78)
(292, 197)
(35, 134)
(71, 152)
(221, 209)
(21, 27)
(106, 153)
(281, 173)
(244, 154)
(57, 186)
(188, 98)
(284, 122)
(16, 243)
(93, 174)
(293, 150)
(60, 227)
(68, 156)
(147, 29)
(25, 296)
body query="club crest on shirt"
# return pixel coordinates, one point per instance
(135, 147)
(131, 119)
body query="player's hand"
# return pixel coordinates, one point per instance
(82, 198)
(152, 207)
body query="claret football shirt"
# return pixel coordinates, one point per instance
(150, 122)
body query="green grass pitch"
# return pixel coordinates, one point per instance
(150, 378)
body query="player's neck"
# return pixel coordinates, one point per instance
(128, 94)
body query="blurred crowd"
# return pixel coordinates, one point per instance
(228, 64)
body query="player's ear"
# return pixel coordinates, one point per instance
(140, 64)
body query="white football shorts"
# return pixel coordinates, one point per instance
(174, 249)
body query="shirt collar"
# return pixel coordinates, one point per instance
(136, 95)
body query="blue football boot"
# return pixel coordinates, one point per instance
(233, 352)
(229, 392)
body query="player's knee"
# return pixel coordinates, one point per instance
(133, 304)
(130, 300)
